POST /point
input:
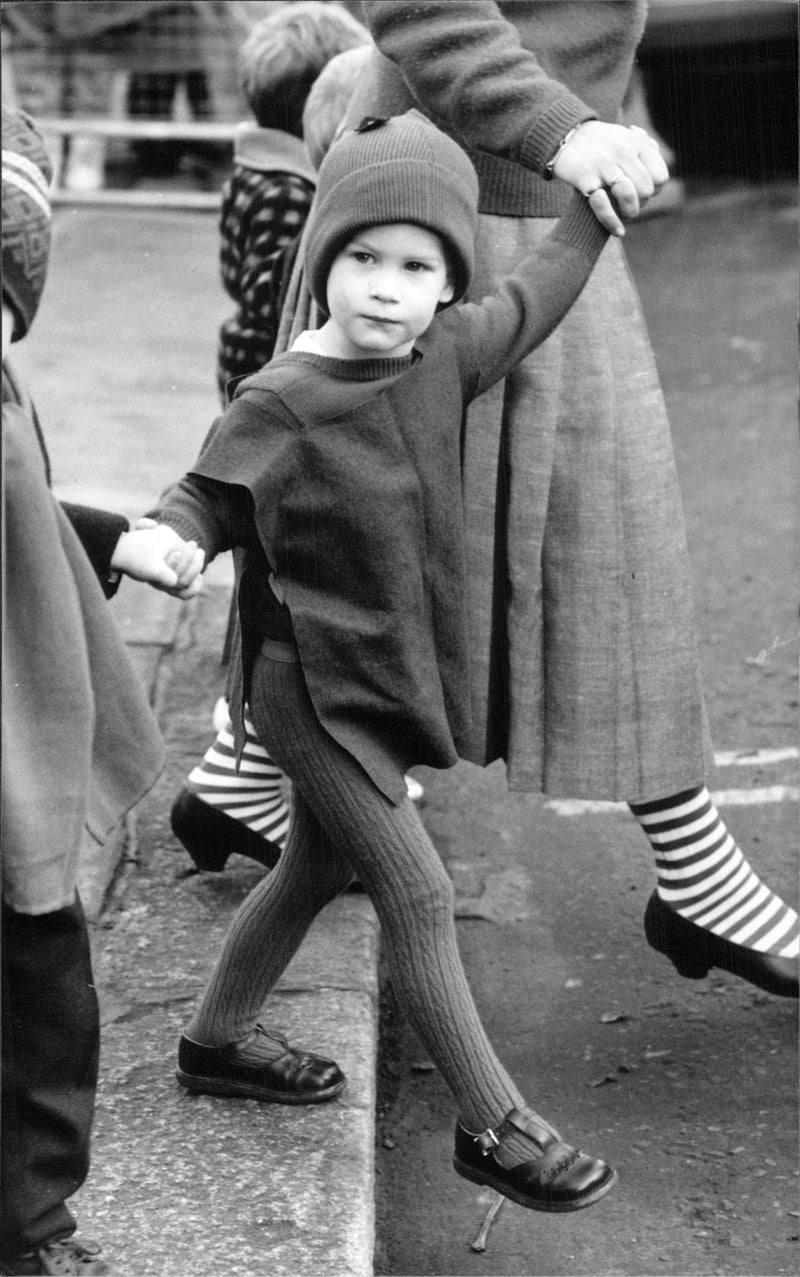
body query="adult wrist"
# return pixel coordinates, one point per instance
(548, 173)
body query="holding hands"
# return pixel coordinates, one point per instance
(601, 160)
(154, 553)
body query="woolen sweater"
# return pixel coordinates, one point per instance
(341, 480)
(508, 80)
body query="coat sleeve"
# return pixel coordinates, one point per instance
(98, 532)
(465, 65)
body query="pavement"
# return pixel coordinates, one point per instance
(183, 1185)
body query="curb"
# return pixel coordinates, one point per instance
(236, 1186)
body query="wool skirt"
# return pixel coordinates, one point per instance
(584, 668)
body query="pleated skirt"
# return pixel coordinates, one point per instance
(584, 667)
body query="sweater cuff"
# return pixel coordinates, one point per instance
(185, 527)
(542, 141)
(580, 228)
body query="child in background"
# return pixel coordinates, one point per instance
(265, 203)
(336, 474)
(266, 200)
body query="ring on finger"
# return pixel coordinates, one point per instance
(587, 195)
(619, 178)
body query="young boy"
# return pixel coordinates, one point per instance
(265, 202)
(335, 473)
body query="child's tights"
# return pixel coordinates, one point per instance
(342, 824)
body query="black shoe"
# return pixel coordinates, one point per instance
(243, 1068)
(210, 836)
(560, 1179)
(68, 1257)
(693, 951)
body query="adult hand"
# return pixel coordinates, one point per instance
(608, 160)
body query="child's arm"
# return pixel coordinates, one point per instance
(156, 554)
(507, 325)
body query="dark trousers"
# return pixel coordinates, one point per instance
(151, 95)
(50, 1051)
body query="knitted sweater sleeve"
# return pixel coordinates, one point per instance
(465, 64)
(492, 336)
(213, 503)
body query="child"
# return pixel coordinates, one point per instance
(266, 200)
(265, 203)
(80, 748)
(336, 474)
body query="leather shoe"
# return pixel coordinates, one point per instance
(210, 836)
(560, 1179)
(247, 1069)
(693, 951)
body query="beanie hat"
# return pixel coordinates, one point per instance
(403, 169)
(26, 217)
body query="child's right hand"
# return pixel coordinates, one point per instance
(153, 552)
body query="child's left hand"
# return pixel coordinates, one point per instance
(154, 553)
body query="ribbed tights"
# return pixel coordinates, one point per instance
(343, 825)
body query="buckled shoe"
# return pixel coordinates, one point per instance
(560, 1179)
(249, 1070)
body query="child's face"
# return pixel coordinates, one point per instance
(383, 290)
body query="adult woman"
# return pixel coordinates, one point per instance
(584, 669)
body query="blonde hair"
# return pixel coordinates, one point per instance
(329, 98)
(285, 52)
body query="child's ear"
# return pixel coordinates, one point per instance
(447, 293)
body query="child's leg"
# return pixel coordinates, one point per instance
(220, 810)
(389, 849)
(338, 810)
(254, 794)
(267, 931)
(705, 879)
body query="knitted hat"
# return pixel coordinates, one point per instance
(26, 217)
(402, 169)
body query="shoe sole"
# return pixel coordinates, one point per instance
(556, 1208)
(250, 1091)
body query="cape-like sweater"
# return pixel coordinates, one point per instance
(341, 479)
(507, 80)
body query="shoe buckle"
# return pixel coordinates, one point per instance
(486, 1141)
